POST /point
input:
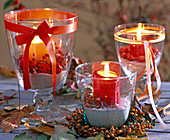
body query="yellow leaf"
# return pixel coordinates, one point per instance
(44, 129)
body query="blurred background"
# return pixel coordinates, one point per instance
(97, 19)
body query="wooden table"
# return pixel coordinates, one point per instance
(67, 103)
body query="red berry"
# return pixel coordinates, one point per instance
(127, 49)
(155, 50)
(123, 55)
(16, 2)
(21, 63)
(122, 49)
(130, 57)
(141, 58)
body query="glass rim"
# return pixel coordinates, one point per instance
(130, 24)
(6, 15)
(130, 28)
(109, 78)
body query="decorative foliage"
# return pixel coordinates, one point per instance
(11, 119)
(16, 4)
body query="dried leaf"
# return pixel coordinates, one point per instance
(15, 107)
(36, 117)
(11, 120)
(44, 129)
(63, 132)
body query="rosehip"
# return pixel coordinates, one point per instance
(141, 58)
(123, 55)
(155, 50)
(16, 2)
(130, 57)
(127, 49)
(122, 49)
(21, 63)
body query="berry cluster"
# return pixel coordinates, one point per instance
(44, 65)
(125, 54)
(135, 126)
(93, 101)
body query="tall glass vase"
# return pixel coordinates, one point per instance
(41, 43)
(129, 41)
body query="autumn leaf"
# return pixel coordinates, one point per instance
(15, 107)
(35, 116)
(64, 133)
(44, 129)
(12, 119)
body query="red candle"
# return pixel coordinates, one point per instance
(137, 50)
(106, 85)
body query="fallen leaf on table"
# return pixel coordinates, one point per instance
(12, 119)
(15, 107)
(36, 117)
(44, 129)
(63, 132)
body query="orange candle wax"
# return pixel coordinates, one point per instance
(37, 49)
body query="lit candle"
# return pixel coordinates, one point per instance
(137, 50)
(37, 49)
(106, 85)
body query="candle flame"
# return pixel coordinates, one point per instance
(36, 39)
(139, 30)
(106, 72)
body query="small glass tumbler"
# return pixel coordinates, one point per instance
(129, 41)
(107, 89)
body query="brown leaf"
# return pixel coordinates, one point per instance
(15, 107)
(11, 120)
(36, 117)
(44, 129)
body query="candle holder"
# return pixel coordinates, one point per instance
(129, 40)
(106, 90)
(41, 43)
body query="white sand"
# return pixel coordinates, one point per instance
(106, 117)
(44, 80)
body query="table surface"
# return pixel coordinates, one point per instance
(65, 104)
